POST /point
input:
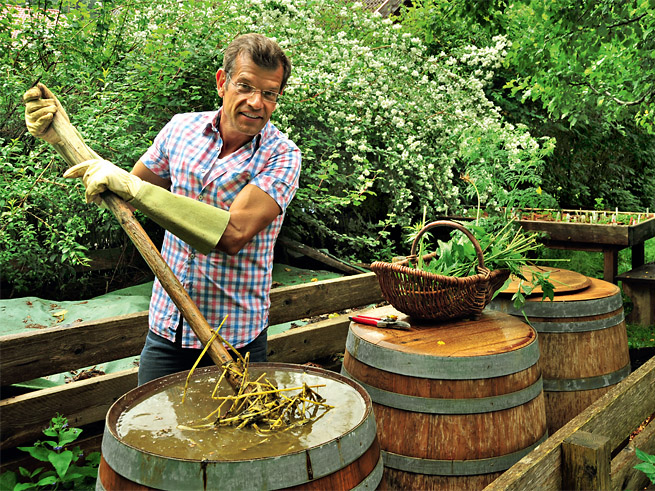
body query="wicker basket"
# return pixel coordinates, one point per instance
(429, 296)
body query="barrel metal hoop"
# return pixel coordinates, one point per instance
(450, 406)
(442, 367)
(457, 467)
(589, 383)
(372, 481)
(592, 325)
(577, 308)
(172, 474)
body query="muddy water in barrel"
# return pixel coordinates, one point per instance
(149, 440)
(163, 424)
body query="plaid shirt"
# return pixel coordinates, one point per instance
(186, 152)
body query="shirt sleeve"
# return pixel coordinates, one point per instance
(279, 178)
(156, 157)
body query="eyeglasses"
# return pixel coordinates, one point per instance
(249, 90)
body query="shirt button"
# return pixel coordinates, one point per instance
(191, 256)
(200, 197)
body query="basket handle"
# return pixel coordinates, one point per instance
(455, 225)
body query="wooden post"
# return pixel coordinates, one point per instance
(586, 462)
(638, 255)
(611, 261)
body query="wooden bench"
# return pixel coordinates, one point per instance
(34, 354)
(639, 285)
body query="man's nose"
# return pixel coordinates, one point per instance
(255, 99)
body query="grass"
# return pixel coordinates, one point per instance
(640, 336)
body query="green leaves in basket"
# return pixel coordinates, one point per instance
(504, 247)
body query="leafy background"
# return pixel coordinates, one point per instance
(389, 113)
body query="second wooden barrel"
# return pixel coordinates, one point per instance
(148, 445)
(583, 342)
(456, 403)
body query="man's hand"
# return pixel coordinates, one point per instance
(100, 175)
(40, 108)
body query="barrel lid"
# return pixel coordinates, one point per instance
(495, 345)
(564, 280)
(493, 333)
(597, 290)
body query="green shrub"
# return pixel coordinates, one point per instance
(564, 77)
(385, 128)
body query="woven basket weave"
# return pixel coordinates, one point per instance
(429, 296)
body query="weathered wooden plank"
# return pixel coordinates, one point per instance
(643, 231)
(87, 401)
(23, 356)
(310, 342)
(27, 356)
(301, 301)
(83, 402)
(623, 409)
(642, 274)
(580, 232)
(613, 415)
(318, 255)
(586, 461)
(624, 475)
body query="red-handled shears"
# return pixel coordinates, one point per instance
(389, 321)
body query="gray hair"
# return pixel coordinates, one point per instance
(264, 52)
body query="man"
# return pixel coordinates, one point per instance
(219, 182)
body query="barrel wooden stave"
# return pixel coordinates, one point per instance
(361, 470)
(583, 343)
(434, 439)
(353, 457)
(413, 432)
(595, 353)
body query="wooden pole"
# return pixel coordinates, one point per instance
(75, 151)
(586, 462)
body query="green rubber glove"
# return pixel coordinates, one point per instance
(198, 224)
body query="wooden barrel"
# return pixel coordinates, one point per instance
(348, 460)
(583, 342)
(456, 403)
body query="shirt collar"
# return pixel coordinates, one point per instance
(213, 125)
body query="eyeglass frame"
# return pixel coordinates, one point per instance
(253, 90)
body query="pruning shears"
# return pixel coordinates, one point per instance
(389, 321)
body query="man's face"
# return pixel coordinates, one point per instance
(244, 115)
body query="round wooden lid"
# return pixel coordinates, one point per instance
(495, 345)
(493, 333)
(597, 289)
(564, 280)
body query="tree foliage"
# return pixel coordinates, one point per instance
(581, 57)
(580, 72)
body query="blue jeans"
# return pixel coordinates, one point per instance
(161, 357)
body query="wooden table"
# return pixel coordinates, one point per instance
(608, 239)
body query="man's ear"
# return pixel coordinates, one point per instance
(221, 78)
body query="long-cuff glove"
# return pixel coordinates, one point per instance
(40, 112)
(198, 224)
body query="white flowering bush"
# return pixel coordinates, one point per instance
(385, 129)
